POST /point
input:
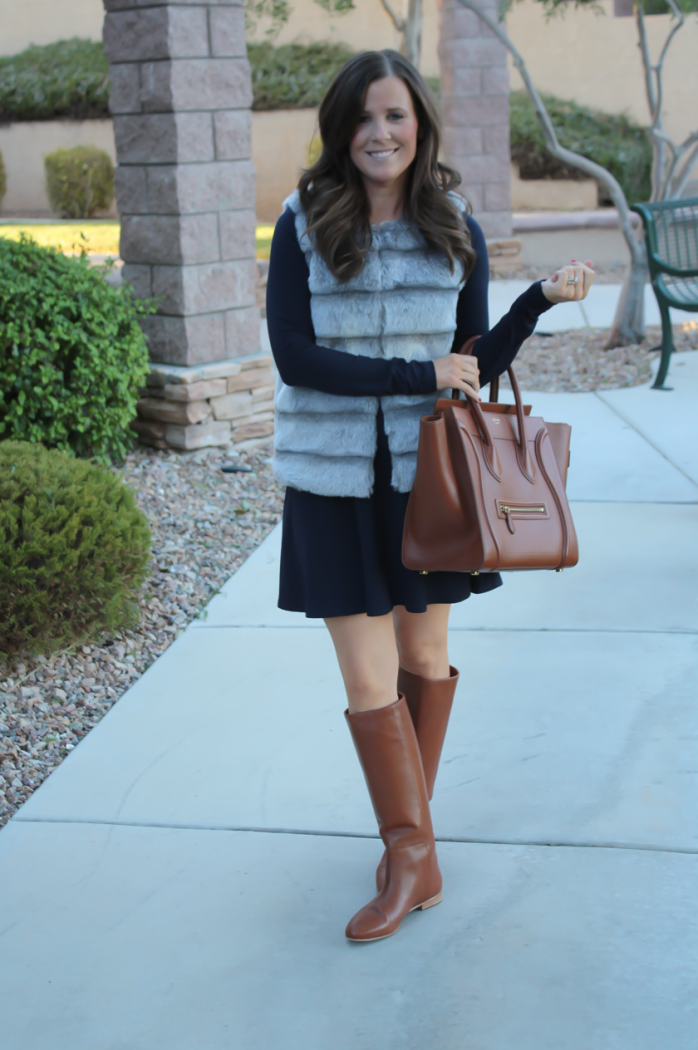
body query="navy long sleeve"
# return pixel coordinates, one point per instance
(301, 362)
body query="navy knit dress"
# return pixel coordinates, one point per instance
(342, 555)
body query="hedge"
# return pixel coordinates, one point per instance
(69, 79)
(293, 76)
(615, 142)
(65, 79)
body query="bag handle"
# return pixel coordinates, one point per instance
(467, 349)
(522, 454)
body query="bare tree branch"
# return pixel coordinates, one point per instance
(567, 156)
(678, 14)
(409, 27)
(668, 187)
(684, 175)
(671, 163)
(399, 23)
(653, 103)
(646, 62)
(413, 32)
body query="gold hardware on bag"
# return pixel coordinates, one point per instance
(423, 572)
(559, 570)
(519, 510)
(477, 573)
(524, 508)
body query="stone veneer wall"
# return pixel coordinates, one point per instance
(215, 404)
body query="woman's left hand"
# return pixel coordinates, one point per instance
(569, 284)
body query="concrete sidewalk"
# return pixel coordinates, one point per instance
(183, 879)
(596, 311)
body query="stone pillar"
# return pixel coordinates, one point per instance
(475, 109)
(185, 187)
(185, 182)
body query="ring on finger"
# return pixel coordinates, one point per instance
(573, 280)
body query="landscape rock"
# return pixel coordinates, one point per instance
(253, 430)
(232, 406)
(173, 411)
(200, 435)
(250, 378)
(197, 391)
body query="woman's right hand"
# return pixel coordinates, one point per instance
(460, 372)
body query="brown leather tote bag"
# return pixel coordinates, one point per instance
(489, 493)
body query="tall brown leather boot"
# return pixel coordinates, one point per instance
(430, 701)
(386, 744)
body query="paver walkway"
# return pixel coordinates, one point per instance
(182, 881)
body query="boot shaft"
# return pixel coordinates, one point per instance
(429, 701)
(386, 744)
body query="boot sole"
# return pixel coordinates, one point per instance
(384, 936)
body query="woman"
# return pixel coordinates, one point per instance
(377, 276)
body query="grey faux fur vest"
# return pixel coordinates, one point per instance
(402, 304)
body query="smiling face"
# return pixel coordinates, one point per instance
(385, 141)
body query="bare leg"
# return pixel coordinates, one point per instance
(368, 659)
(422, 640)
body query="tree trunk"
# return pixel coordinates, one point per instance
(628, 325)
(413, 32)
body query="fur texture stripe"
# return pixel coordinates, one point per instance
(307, 432)
(292, 399)
(402, 304)
(300, 471)
(404, 312)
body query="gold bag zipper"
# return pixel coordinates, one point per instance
(520, 510)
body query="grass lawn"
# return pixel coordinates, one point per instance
(264, 235)
(100, 237)
(97, 236)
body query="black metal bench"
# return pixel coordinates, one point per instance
(671, 229)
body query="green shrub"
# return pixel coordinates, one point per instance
(65, 79)
(293, 76)
(72, 354)
(73, 549)
(615, 142)
(79, 181)
(3, 179)
(70, 78)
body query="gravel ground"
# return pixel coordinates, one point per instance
(602, 274)
(576, 361)
(205, 524)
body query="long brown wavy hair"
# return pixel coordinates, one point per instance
(332, 191)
